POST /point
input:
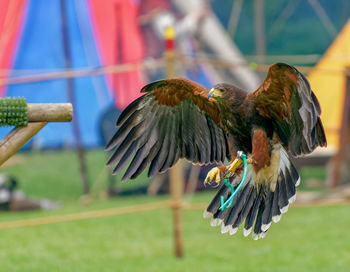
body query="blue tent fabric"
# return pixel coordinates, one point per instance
(41, 48)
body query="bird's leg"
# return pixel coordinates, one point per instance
(215, 175)
(232, 168)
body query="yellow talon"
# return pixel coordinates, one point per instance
(213, 173)
(216, 174)
(232, 168)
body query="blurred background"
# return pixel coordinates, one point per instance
(97, 55)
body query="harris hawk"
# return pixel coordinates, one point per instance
(178, 118)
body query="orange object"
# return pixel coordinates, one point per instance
(169, 38)
(328, 82)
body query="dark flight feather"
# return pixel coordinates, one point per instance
(267, 214)
(252, 213)
(185, 105)
(275, 209)
(246, 208)
(258, 221)
(286, 97)
(235, 210)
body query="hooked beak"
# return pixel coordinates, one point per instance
(214, 93)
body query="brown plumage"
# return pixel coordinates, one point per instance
(260, 150)
(178, 118)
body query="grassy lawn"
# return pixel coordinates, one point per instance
(306, 239)
(55, 175)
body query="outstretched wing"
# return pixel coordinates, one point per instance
(285, 96)
(173, 120)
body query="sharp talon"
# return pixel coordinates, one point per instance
(231, 169)
(214, 184)
(205, 183)
(213, 177)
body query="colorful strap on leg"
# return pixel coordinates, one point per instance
(227, 204)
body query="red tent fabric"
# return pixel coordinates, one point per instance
(11, 19)
(119, 39)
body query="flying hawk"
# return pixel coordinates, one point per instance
(178, 118)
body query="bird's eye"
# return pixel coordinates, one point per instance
(221, 90)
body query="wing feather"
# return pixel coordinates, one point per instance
(126, 156)
(252, 213)
(148, 158)
(286, 98)
(173, 145)
(141, 153)
(161, 157)
(173, 120)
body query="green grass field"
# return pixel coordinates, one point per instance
(306, 239)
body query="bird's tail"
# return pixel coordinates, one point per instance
(258, 203)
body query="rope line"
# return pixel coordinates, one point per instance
(138, 208)
(85, 215)
(154, 64)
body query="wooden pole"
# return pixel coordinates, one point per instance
(50, 112)
(17, 138)
(38, 116)
(176, 172)
(322, 15)
(344, 135)
(83, 72)
(176, 191)
(71, 96)
(260, 39)
(234, 17)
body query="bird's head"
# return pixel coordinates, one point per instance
(216, 92)
(227, 92)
